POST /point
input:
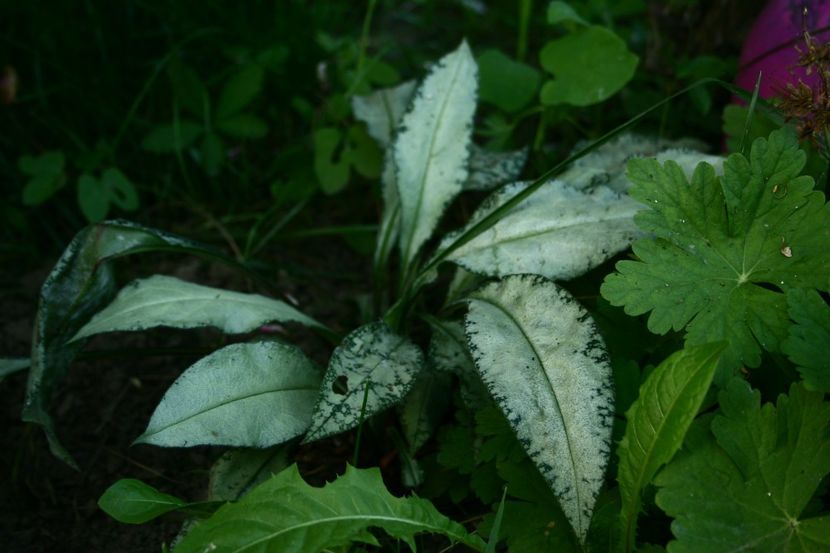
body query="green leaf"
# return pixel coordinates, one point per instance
(669, 400)
(425, 406)
(722, 249)
(383, 110)
(806, 345)
(588, 65)
(78, 286)
(213, 154)
(240, 91)
(560, 12)
(40, 188)
(238, 471)
(431, 151)
(332, 170)
(448, 352)
(558, 232)
(167, 139)
(745, 485)
(46, 164)
(373, 362)
(134, 502)
(363, 152)
(47, 176)
(188, 88)
(285, 514)
(505, 83)
(243, 125)
(543, 361)
(489, 170)
(167, 301)
(11, 365)
(92, 198)
(246, 395)
(119, 189)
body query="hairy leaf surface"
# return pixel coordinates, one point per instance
(373, 362)
(669, 400)
(558, 232)
(432, 148)
(543, 361)
(167, 301)
(809, 338)
(721, 249)
(287, 515)
(249, 395)
(746, 485)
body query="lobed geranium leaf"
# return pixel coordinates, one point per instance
(721, 250)
(432, 148)
(745, 485)
(543, 361)
(246, 395)
(372, 362)
(167, 301)
(809, 337)
(287, 515)
(658, 420)
(558, 232)
(489, 170)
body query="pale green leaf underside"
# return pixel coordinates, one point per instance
(558, 232)
(745, 488)
(167, 301)
(287, 515)
(491, 169)
(372, 361)
(809, 338)
(668, 402)
(246, 395)
(543, 360)
(383, 109)
(432, 147)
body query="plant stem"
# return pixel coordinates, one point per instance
(525, 9)
(364, 36)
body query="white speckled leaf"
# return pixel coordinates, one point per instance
(383, 109)
(372, 356)
(246, 395)
(491, 169)
(167, 301)
(558, 232)
(432, 147)
(542, 358)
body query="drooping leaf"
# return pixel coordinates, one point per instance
(589, 65)
(489, 170)
(240, 90)
(11, 365)
(745, 485)
(558, 232)
(373, 362)
(544, 363)
(657, 422)
(807, 343)
(383, 109)
(506, 83)
(721, 249)
(238, 471)
(246, 395)
(285, 514)
(431, 151)
(134, 502)
(172, 138)
(78, 286)
(167, 301)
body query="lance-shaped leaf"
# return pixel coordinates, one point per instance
(79, 285)
(247, 395)
(134, 502)
(372, 363)
(383, 109)
(747, 485)
(657, 422)
(287, 515)
(807, 343)
(489, 170)
(431, 150)
(167, 301)
(543, 360)
(558, 232)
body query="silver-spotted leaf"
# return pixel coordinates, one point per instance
(167, 301)
(540, 355)
(373, 362)
(489, 170)
(246, 395)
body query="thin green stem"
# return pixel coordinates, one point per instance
(364, 36)
(525, 9)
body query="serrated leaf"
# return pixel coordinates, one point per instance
(172, 138)
(372, 361)
(658, 420)
(558, 232)
(134, 502)
(245, 395)
(240, 90)
(238, 471)
(431, 151)
(243, 125)
(506, 83)
(383, 109)
(79, 285)
(745, 485)
(721, 251)
(808, 339)
(544, 363)
(167, 301)
(285, 514)
(489, 170)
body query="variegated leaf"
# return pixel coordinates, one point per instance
(448, 352)
(489, 170)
